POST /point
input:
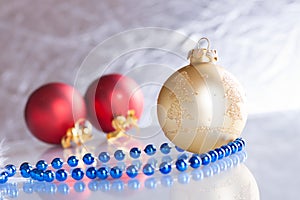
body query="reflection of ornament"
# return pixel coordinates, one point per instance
(113, 96)
(52, 109)
(201, 106)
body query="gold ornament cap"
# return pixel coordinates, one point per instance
(202, 55)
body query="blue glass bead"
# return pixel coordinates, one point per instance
(165, 148)
(115, 172)
(119, 155)
(213, 155)
(227, 150)
(104, 157)
(72, 161)
(91, 172)
(165, 168)
(3, 177)
(242, 140)
(179, 149)
(220, 152)
(88, 159)
(132, 171)
(25, 169)
(135, 152)
(37, 174)
(79, 186)
(41, 165)
(181, 165)
(233, 146)
(239, 144)
(205, 159)
(11, 170)
(61, 175)
(77, 174)
(148, 169)
(49, 176)
(195, 161)
(150, 149)
(57, 163)
(102, 173)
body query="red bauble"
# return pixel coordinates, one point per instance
(52, 109)
(110, 96)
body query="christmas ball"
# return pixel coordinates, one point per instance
(110, 96)
(201, 106)
(52, 109)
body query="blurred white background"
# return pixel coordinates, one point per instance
(258, 41)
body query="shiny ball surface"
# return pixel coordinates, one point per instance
(52, 109)
(112, 95)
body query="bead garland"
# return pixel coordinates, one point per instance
(42, 173)
(12, 190)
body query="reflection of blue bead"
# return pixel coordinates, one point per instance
(50, 188)
(213, 155)
(102, 173)
(91, 172)
(79, 186)
(117, 185)
(207, 171)
(119, 155)
(115, 172)
(181, 165)
(132, 171)
(215, 168)
(41, 165)
(11, 170)
(48, 176)
(137, 163)
(165, 148)
(150, 183)
(150, 149)
(179, 149)
(166, 180)
(104, 185)
(61, 175)
(148, 169)
(77, 174)
(239, 144)
(25, 169)
(57, 163)
(227, 150)
(195, 161)
(133, 184)
(121, 165)
(3, 177)
(104, 157)
(233, 147)
(93, 186)
(135, 152)
(223, 165)
(27, 187)
(88, 159)
(183, 178)
(152, 161)
(72, 161)
(165, 168)
(197, 174)
(229, 162)
(63, 188)
(205, 159)
(220, 153)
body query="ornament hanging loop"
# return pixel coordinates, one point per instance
(202, 55)
(77, 135)
(199, 43)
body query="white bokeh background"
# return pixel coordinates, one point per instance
(258, 41)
